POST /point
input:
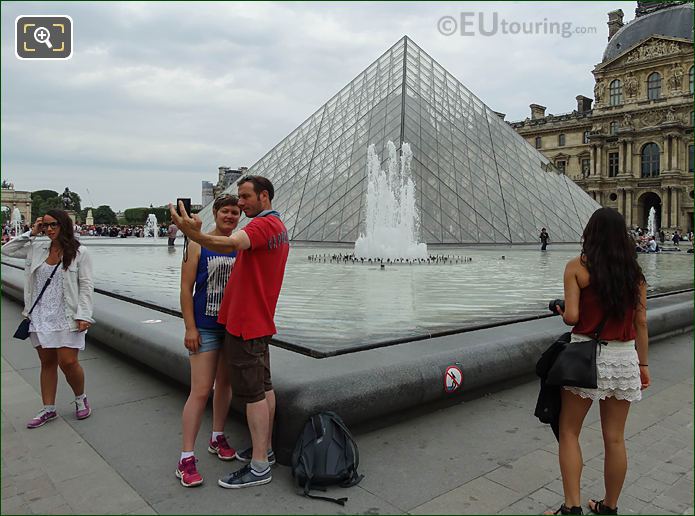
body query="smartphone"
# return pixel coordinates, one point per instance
(186, 205)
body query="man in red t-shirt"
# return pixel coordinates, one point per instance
(247, 312)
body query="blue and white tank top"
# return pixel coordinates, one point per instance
(211, 278)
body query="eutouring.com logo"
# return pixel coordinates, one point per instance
(491, 24)
(43, 37)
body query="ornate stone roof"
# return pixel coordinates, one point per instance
(675, 21)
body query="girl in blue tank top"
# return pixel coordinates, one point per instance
(204, 276)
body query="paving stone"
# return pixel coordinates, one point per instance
(479, 496)
(653, 509)
(547, 497)
(49, 504)
(525, 474)
(646, 489)
(526, 506)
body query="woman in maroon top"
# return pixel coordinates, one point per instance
(604, 280)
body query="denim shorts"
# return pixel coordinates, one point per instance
(210, 340)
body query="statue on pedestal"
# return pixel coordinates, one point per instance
(67, 200)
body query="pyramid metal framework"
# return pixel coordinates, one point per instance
(477, 180)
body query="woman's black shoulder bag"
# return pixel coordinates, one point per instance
(23, 328)
(575, 363)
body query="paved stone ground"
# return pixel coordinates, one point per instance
(483, 454)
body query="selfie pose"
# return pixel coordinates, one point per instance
(204, 275)
(248, 311)
(604, 288)
(58, 291)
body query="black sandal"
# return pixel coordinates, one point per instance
(601, 508)
(569, 510)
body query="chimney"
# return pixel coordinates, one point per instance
(537, 111)
(615, 22)
(583, 103)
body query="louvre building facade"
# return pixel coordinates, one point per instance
(477, 181)
(631, 146)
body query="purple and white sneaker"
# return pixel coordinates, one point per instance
(43, 417)
(82, 408)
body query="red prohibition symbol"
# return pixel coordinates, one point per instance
(453, 378)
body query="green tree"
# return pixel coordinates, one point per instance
(44, 200)
(104, 215)
(139, 215)
(135, 215)
(38, 198)
(41, 205)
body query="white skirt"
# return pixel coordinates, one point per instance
(617, 372)
(58, 339)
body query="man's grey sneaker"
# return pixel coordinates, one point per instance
(245, 455)
(245, 477)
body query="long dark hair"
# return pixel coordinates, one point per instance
(66, 237)
(608, 252)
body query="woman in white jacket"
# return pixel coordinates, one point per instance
(62, 316)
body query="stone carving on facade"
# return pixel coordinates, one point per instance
(651, 50)
(631, 86)
(675, 79)
(671, 115)
(650, 119)
(599, 90)
(598, 127)
(627, 122)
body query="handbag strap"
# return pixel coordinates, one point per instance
(599, 329)
(45, 286)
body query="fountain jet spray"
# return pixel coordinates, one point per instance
(392, 220)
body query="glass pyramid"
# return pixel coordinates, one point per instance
(477, 180)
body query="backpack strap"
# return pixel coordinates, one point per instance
(307, 487)
(355, 478)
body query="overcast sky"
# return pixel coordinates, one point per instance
(158, 95)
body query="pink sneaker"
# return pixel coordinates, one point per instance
(188, 473)
(82, 410)
(221, 448)
(40, 419)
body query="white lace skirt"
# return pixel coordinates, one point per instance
(617, 371)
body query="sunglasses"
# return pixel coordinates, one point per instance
(51, 225)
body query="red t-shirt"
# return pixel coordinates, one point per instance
(251, 295)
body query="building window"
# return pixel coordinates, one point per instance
(614, 128)
(690, 159)
(650, 160)
(561, 140)
(654, 86)
(690, 78)
(613, 164)
(615, 91)
(586, 167)
(585, 137)
(538, 142)
(561, 165)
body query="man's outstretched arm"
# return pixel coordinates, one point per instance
(191, 227)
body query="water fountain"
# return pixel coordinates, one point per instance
(392, 220)
(16, 222)
(651, 222)
(151, 226)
